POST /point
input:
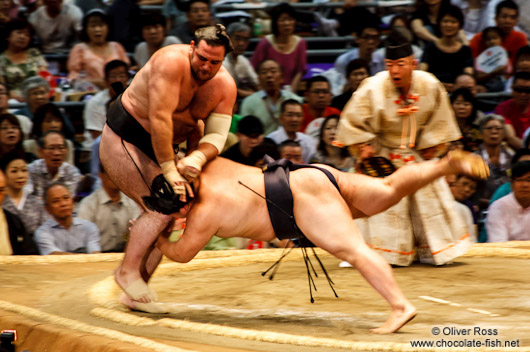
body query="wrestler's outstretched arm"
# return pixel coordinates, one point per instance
(367, 195)
(201, 225)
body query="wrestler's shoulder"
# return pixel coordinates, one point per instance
(224, 79)
(172, 52)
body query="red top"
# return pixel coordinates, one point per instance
(514, 116)
(512, 43)
(308, 117)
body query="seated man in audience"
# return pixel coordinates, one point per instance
(14, 238)
(52, 167)
(290, 121)
(56, 25)
(198, 15)
(265, 103)
(250, 135)
(153, 28)
(64, 233)
(509, 217)
(318, 99)
(506, 14)
(291, 150)
(237, 64)
(516, 111)
(356, 71)
(111, 211)
(368, 40)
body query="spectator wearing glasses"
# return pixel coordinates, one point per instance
(509, 217)
(516, 111)
(318, 100)
(52, 167)
(368, 40)
(497, 156)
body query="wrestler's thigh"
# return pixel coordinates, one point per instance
(323, 216)
(125, 164)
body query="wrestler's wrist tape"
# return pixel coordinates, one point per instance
(216, 130)
(169, 170)
(196, 159)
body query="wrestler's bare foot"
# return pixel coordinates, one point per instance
(134, 286)
(151, 307)
(468, 163)
(400, 316)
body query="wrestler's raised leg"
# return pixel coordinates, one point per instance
(369, 195)
(124, 173)
(325, 219)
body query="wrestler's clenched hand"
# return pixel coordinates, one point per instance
(175, 179)
(190, 166)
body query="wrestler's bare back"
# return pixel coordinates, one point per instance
(231, 186)
(171, 66)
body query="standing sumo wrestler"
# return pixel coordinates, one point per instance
(179, 86)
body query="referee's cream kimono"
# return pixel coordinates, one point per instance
(424, 223)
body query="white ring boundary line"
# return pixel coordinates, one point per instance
(443, 301)
(112, 257)
(94, 330)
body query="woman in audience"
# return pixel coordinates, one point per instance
(446, 57)
(87, 59)
(24, 121)
(424, 19)
(465, 107)
(327, 153)
(48, 117)
(19, 61)
(26, 206)
(495, 154)
(289, 50)
(10, 134)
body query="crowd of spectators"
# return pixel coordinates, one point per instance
(58, 199)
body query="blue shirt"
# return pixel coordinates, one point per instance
(81, 237)
(307, 143)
